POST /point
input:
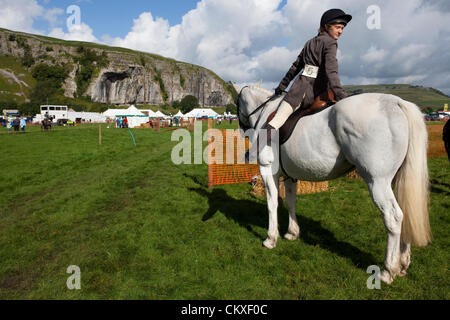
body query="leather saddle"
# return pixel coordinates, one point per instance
(322, 102)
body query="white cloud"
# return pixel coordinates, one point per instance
(225, 36)
(251, 40)
(80, 32)
(374, 55)
(19, 14)
(52, 16)
(148, 34)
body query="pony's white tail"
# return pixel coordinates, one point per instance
(411, 184)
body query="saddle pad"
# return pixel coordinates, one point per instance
(288, 127)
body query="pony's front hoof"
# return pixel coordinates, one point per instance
(291, 237)
(386, 277)
(269, 244)
(402, 273)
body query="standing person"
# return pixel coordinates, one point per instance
(320, 69)
(16, 125)
(9, 125)
(23, 124)
(117, 123)
(446, 138)
(125, 122)
(120, 123)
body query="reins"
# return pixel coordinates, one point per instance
(262, 106)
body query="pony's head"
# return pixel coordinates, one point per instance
(248, 100)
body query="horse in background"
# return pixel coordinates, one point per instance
(46, 124)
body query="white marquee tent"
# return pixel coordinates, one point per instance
(161, 115)
(179, 115)
(131, 111)
(199, 113)
(151, 113)
(134, 116)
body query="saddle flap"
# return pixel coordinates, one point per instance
(322, 102)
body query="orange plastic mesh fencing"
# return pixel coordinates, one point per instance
(226, 160)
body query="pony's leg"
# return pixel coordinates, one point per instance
(271, 184)
(405, 257)
(291, 200)
(384, 199)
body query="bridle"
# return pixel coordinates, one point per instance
(260, 108)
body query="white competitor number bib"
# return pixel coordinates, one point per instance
(310, 71)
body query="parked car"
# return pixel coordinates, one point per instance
(62, 122)
(433, 117)
(444, 116)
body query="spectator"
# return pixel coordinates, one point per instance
(125, 121)
(9, 125)
(16, 125)
(117, 123)
(23, 124)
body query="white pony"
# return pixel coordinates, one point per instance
(381, 135)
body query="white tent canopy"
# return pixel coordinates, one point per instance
(179, 114)
(134, 111)
(131, 111)
(160, 114)
(199, 113)
(151, 113)
(134, 115)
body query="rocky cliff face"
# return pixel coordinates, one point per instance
(129, 78)
(135, 84)
(162, 82)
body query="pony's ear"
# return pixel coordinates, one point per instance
(236, 87)
(259, 84)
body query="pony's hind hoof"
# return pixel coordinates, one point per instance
(269, 244)
(291, 237)
(386, 277)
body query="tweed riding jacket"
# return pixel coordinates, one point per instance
(319, 52)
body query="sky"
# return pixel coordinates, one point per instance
(245, 41)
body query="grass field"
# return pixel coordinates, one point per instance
(140, 227)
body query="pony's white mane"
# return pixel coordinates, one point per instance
(263, 93)
(258, 88)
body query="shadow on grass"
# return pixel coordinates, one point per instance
(249, 214)
(438, 187)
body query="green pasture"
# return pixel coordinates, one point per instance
(140, 227)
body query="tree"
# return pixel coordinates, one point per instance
(29, 109)
(176, 104)
(231, 108)
(188, 103)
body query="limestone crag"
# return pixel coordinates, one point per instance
(136, 84)
(130, 77)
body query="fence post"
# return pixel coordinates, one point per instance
(210, 168)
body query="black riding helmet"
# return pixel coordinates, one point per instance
(335, 16)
